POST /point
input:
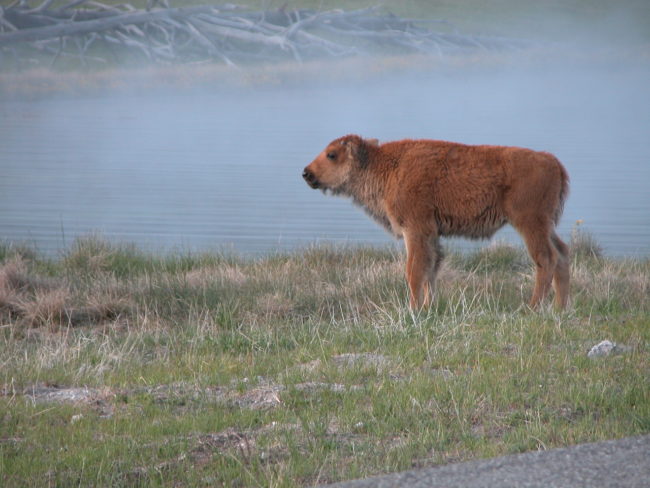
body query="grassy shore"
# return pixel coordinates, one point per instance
(120, 368)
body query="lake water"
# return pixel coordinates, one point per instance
(222, 169)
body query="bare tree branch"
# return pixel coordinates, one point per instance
(227, 33)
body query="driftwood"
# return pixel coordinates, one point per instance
(88, 31)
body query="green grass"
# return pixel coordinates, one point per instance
(303, 368)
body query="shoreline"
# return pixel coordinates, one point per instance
(42, 83)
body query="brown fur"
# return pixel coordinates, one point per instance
(422, 189)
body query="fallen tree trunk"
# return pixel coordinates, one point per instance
(76, 28)
(226, 34)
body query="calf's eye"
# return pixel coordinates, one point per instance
(331, 155)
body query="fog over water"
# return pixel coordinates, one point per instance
(221, 168)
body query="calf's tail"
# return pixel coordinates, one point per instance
(564, 193)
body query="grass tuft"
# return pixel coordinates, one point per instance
(502, 257)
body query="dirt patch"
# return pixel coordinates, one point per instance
(316, 386)
(100, 400)
(261, 398)
(208, 445)
(46, 394)
(182, 393)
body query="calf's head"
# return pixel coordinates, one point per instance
(333, 167)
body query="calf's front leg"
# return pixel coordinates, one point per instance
(422, 263)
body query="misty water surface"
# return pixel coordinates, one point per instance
(222, 170)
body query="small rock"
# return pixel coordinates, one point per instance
(606, 348)
(603, 348)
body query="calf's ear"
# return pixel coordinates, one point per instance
(373, 142)
(357, 150)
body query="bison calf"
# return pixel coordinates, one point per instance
(422, 189)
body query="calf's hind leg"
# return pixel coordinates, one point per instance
(436, 260)
(545, 256)
(561, 275)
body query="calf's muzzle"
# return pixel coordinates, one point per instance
(310, 178)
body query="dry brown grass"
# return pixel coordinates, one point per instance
(12, 278)
(226, 275)
(31, 299)
(47, 307)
